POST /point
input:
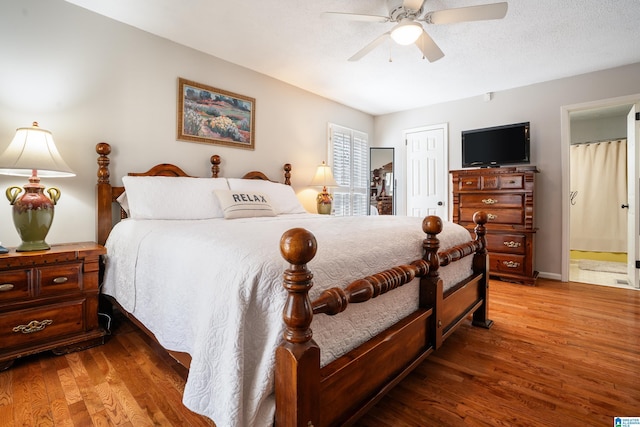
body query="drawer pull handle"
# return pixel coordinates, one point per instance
(512, 244)
(33, 326)
(489, 201)
(468, 182)
(6, 287)
(511, 264)
(60, 280)
(492, 216)
(512, 182)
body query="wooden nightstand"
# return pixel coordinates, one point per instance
(49, 300)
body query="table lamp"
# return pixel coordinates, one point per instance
(33, 151)
(324, 178)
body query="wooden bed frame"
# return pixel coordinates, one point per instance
(342, 391)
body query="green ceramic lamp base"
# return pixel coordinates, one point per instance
(36, 245)
(32, 214)
(324, 208)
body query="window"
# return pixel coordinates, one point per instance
(349, 153)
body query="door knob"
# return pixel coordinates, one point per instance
(623, 206)
(440, 203)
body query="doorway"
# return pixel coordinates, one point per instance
(597, 253)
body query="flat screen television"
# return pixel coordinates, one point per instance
(496, 146)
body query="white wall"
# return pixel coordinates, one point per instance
(539, 104)
(88, 79)
(598, 129)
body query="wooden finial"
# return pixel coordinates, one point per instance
(215, 165)
(287, 173)
(103, 149)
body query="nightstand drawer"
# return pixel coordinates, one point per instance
(24, 327)
(14, 284)
(60, 278)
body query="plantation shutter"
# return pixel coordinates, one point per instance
(349, 153)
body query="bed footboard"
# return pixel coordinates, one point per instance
(339, 393)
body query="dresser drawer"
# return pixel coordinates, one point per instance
(14, 284)
(24, 327)
(506, 263)
(491, 200)
(469, 183)
(512, 182)
(495, 216)
(490, 182)
(60, 278)
(509, 243)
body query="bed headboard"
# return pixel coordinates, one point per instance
(107, 193)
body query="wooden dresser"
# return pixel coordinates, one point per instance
(507, 196)
(49, 300)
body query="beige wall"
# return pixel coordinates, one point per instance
(88, 79)
(539, 104)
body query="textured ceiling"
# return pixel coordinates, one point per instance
(290, 40)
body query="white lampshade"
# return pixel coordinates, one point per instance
(33, 149)
(406, 32)
(324, 177)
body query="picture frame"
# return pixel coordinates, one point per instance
(215, 116)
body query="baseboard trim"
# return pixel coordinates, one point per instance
(552, 276)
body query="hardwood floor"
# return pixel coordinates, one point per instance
(559, 354)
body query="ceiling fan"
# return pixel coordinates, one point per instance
(407, 14)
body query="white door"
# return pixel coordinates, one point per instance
(633, 187)
(427, 171)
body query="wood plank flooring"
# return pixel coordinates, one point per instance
(559, 354)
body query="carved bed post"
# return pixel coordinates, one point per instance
(431, 286)
(298, 357)
(215, 165)
(103, 207)
(481, 265)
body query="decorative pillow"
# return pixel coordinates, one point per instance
(124, 203)
(163, 197)
(244, 204)
(283, 198)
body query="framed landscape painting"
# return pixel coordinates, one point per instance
(214, 116)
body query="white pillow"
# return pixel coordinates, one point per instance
(244, 204)
(163, 197)
(283, 198)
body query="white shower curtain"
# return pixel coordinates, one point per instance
(598, 189)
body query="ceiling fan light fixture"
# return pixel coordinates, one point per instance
(406, 32)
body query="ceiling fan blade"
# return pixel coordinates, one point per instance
(428, 47)
(356, 17)
(465, 14)
(368, 48)
(412, 4)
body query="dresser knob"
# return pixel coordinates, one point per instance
(6, 287)
(489, 201)
(491, 216)
(512, 244)
(60, 280)
(511, 264)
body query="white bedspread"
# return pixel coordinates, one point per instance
(213, 288)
